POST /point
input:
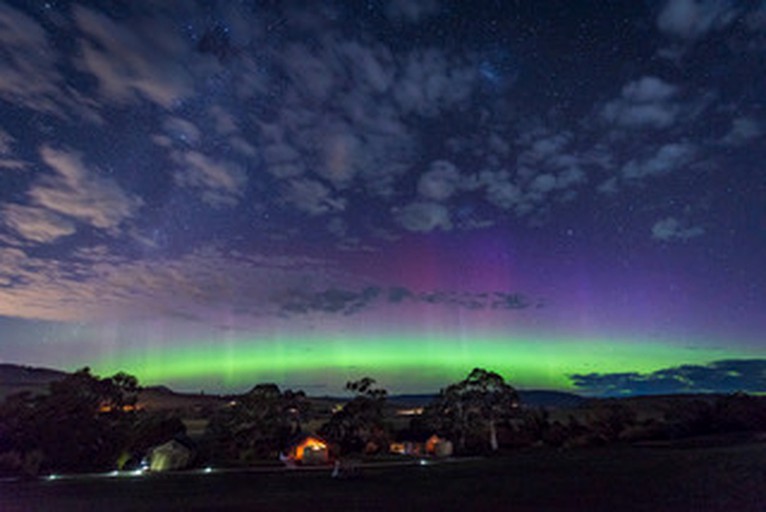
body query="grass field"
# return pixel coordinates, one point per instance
(729, 478)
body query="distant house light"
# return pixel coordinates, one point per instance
(412, 411)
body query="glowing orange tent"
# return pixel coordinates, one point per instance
(309, 449)
(438, 446)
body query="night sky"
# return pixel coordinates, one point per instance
(214, 194)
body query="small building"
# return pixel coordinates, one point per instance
(420, 444)
(170, 456)
(438, 446)
(308, 449)
(407, 448)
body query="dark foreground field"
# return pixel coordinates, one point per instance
(731, 478)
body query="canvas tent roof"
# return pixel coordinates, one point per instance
(168, 456)
(308, 449)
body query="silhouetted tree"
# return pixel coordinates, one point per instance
(151, 429)
(610, 420)
(690, 418)
(535, 423)
(478, 402)
(258, 425)
(740, 412)
(737, 412)
(359, 421)
(82, 423)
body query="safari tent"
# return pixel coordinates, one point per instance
(308, 449)
(169, 456)
(438, 446)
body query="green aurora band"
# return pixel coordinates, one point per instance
(403, 364)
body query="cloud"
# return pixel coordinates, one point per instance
(333, 300)
(373, 68)
(668, 158)
(423, 217)
(644, 103)
(312, 76)
(347, 112)
(345, 117)
(487, 300)
(440, 181)
(692, 19)
(756, 20)
(672, 229)
(543, 183)
(77, 192)
(12, 164)
(36, 224)
(6, 141)
(207, 284)
(72, 194)
(501, 192)
(548, 169)
(725, 376)
(348, 302)
(29, 70)
(339, 152)
(221, 183)
(138, 58)
(312, 197)
(411, 11)
(545, 147)
(224, 122)
(608, 186)
(743, 130)
(648, 89)
(7, 159)
(326, 120)
(182, 131)
(348, 117)
(96, 286)
(431, 83)
(283, 161)
(663, 160)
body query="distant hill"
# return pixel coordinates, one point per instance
(15, 379)
(17, 374)
(410, 400)
(530, 397)
(546, 398)
(163, 398)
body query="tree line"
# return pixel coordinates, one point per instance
(87, 423)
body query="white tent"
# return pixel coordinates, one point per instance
(169, 456)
